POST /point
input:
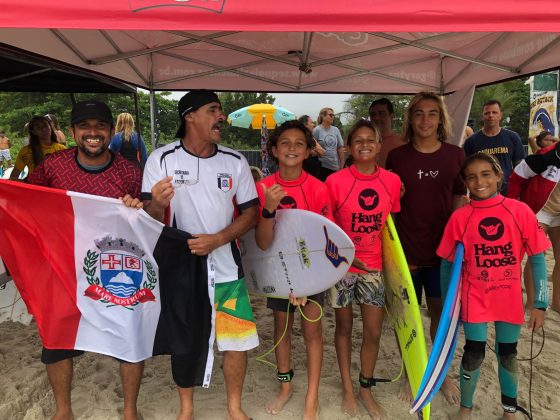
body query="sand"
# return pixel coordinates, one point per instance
(25, 392)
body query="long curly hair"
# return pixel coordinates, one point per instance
(444, 127)
(125, 123)
(34, 142)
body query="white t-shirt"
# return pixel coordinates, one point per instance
(207, 191)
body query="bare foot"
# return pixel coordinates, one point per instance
(375, 411)
(451, 391)
(237, 414)
(275, 405)
(405, 394)
(132, 414)
(63, 415)
(349, 404)
(311, 411)
(186, 414)
(463, 414)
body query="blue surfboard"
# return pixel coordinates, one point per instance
(446, 338)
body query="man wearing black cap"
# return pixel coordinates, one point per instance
(195, 184)
(90, 168)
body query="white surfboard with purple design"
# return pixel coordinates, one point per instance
(308, 255)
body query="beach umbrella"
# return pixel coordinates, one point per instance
(252, 116)
(260, 116)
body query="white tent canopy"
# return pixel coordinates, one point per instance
(356, 62)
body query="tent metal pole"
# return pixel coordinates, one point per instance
(153, 118)
(137, 113)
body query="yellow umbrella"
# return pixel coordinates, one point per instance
(252, 116)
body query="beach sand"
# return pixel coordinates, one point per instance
(25, 392)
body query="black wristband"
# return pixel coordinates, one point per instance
(268, 215)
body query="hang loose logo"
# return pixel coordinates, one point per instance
(331, 251)
(491, 228)
(368, 199)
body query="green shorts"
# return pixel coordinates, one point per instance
(235, 325)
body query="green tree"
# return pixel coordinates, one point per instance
(514, 97)
(17, 108)
(358, 105)
(242, 138)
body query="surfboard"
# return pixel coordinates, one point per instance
(12, 307)
(308, 255)
(446, 337)
(404, 310)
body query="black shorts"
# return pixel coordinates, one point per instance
(185, 370)
(427, 278)
(277, 304)
(50, 356)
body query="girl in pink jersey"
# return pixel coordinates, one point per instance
(362, 197)
(291, 187)
(496, 233)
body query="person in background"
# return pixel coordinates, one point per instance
(381, 113)
(330, 139)
(127, 142)
(543, 140)
(42, 142)
(60, 136)
(256, 173)
(312, 165)
(467, 133)
(497, 141)
(535, 182)
(5, 151)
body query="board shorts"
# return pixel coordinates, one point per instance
(5, 155)
(427, 277)
(235, 325)
(549, 219)
(50, 356)
(362, 288)
(279, 304)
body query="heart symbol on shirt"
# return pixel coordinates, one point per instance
(434, 173)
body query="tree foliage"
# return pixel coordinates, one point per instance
(358, 105)
(514, 97)
(17, 108)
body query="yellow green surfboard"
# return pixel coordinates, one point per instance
(404, 310)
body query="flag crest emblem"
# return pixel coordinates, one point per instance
(225, 182)
(125, 278)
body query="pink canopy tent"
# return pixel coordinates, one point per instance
(312, 46)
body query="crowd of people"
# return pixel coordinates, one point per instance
(439, 195)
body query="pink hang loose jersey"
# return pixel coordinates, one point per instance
(496, 234)
(361, 204)
(304, 193)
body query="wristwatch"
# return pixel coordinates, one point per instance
(268, 215)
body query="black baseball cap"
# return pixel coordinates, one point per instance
(190, 102)
(86, 110)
